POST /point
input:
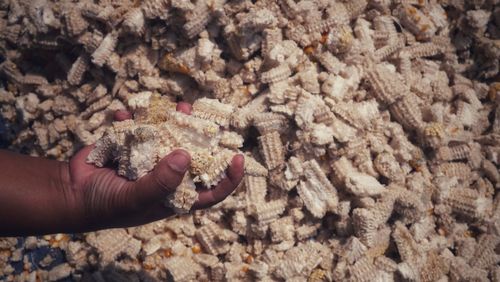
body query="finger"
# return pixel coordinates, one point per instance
(184, 107)
(163, 180)
(121, 115)
(226, 186)
(81, 156)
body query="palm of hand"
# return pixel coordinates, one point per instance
(109, 200)
(104, 194)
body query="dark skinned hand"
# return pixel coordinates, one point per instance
(109, 200)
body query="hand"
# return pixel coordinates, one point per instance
(109, 200)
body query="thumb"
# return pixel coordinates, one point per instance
(164, 178)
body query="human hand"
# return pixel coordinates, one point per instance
(107, 200)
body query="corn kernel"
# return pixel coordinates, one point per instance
(309, 50)
(196, 249)
(167, 253)
(249, 259)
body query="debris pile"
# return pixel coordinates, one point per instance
(370, 129)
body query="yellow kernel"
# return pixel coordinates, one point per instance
(184, 69)
(167, 253)
(245, 91)
(196, 249)
(309, 50)
(249, 259)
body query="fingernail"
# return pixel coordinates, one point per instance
(121, 115)
(179, 161)
(240, 156)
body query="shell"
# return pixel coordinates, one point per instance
(134, 21)
(91, 40)
(434, 268)
(213, 110)
(459, 170)
(386, 87)
(386, 264)
(416, 22)
(294, 169)
(111, 243)
(363, 269)
(282, 230)
(10, 70)
(243, 117)
(271, 38)
(459, 152)
(484, 255)
(369, 131)
(254, 168)
(387, 165)
(407, 112)
(76, 24)
(299, 261)
(340, 39)
(213, 239)
(270, 122)
(184, 197)
(269, 211)
(386, 51)
(256, 190)
(231, 140)
(182, 268)
(105, 49)
(363, 185)
(197, 20)
(34, 79)
(422, 50)
(468, 203)
(97, 106)
(276, 74)
(215, 172)
(155, 9)
(317, 192)
(407, 247)
(272, 150)
(77, 71)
